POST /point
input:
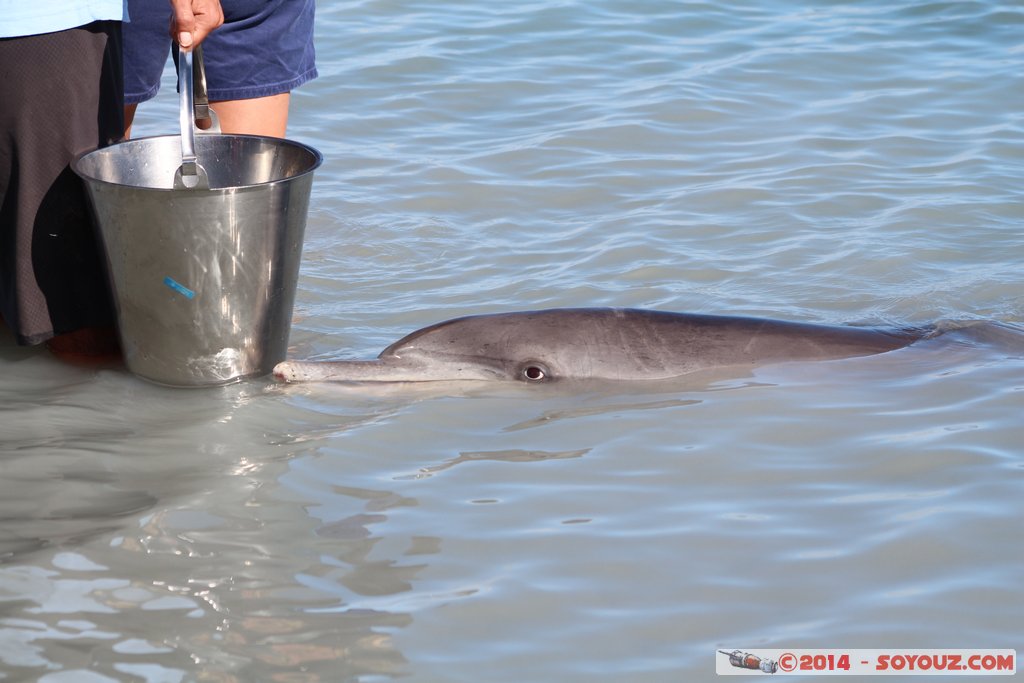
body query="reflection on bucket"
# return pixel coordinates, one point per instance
(203, 279)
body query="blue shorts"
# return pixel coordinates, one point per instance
(265, 47)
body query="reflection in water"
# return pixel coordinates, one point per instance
(241, 598)
(175, 511)
(513, 455)
(549, 417)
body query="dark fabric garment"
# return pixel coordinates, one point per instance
(265, 47)
(60, 94)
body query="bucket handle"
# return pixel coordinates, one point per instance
(194, 105)
(201, 100)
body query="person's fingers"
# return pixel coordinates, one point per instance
(183, 22)
(193, 20)
(208, 16)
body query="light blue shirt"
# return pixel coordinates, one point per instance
(30, 17)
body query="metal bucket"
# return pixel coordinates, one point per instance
(203, 278)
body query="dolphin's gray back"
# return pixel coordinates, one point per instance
(640, 344)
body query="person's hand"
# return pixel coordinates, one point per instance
(192, 20)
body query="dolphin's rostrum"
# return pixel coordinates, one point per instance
(596, 343)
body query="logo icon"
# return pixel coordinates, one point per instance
(745, 660)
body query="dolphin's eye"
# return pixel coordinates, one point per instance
(534, 372)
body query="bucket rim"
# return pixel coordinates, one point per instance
(318, 159)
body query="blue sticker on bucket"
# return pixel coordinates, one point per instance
(178, 287)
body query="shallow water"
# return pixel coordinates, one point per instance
(856, 163)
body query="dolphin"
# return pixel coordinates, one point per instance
(537, 347)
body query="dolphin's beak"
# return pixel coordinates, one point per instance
(338, 371)
(382, 370)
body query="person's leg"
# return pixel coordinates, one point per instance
(263, 51)
(257, 116)
(147, 46)
(98, 342)
(52, 279)
(129, 118)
